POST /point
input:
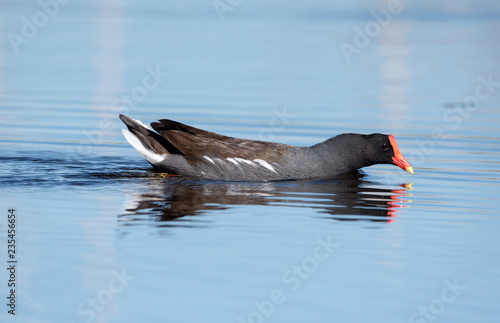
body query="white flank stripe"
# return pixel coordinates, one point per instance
(147, 153)
(209, 159)
(241, 160)
(265, 164)
(233, 160)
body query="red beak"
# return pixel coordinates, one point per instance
(398, 159)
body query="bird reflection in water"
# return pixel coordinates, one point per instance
(175, 201)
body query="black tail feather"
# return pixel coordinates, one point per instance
(149, 138)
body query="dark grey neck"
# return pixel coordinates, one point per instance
(341, 154)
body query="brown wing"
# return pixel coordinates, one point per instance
(195, 143)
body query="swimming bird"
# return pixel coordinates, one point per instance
(180, 149)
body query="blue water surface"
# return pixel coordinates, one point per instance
(103, 238)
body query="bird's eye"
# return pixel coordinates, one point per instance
(385, 147)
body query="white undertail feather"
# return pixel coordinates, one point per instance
(142, 124)
(147, 153)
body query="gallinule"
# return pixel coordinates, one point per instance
(180, 149)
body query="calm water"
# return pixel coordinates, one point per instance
(102, 238)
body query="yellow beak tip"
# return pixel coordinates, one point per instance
(409, 170)
(408, 186)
